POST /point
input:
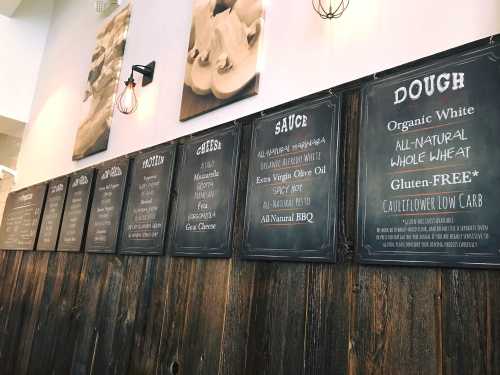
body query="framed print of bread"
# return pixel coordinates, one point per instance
(223, 52)
(93, 132)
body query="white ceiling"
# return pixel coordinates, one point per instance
(8, 7)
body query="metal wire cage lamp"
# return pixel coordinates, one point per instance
(330, 9)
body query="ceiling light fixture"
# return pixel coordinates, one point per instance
(330, 9)
(127, 101)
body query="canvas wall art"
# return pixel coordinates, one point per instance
(222, 56)
(99, 98)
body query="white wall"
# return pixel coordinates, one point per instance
(22, 42)
(9, 149)
(303, 54)
(6, 185)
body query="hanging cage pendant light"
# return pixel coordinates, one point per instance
(330, 9)
(127, 100)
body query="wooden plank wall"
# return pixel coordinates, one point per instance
(67, 313)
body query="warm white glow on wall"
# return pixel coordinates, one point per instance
(149, 103)
(51, 112)
(302, 54)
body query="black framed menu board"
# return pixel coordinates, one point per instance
(106, 209)
(429, 158)
(146, 213)
(76, 211)
(206, 187)
(52, 215)
(21, 218)
(291, 206)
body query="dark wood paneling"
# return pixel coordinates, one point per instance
(465, 322)
(69, 313)
(123, 335)
(276, 329)
(395, 323)
(23, 316)
(152, 308)
(58, 300)
(493, 323)
(174, 316)
(204, 317)
(329, 300)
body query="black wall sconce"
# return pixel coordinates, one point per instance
(330, 9)
(127, 100)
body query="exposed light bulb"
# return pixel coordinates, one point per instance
(127, 100)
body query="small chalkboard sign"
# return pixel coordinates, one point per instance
(107, 203)
(52, 215)
(429, 157)
(76, 211)
(146, 213)
(205, 187)
(292, 199)
(21, 218)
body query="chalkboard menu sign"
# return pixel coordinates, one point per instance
(205, 195)
(145, 219)
(52, 215)
(107, 203)
(291, 206)
(21, 218)
(429, 176)
(76, 211)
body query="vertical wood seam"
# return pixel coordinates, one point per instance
(304, 345)
(167, 295)
(489, 332)
(247, 331)
(226, 300)
(351, 314)
(439, 322)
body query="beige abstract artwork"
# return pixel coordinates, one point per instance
(103, 78)
(223, 52)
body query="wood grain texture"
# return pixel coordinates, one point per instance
(493, 323)
(327, 323)
(465, 334)
(395, 322)
(11, 263)
(30, 287)
(151, 309)
(205, 310)
(65, 313)
(276, 330)
(56, 313)
(126, 315)
(107, 319)
(174, 317)
(84, 337)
